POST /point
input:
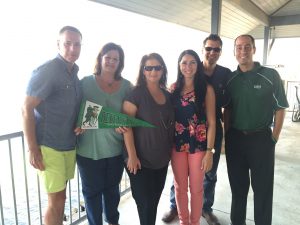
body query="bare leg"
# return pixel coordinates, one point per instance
(55, 210)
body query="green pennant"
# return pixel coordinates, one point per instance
(95, 116)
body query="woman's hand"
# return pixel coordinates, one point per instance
(121, 130)
(133, 164)
(78, 131)
(207, 161)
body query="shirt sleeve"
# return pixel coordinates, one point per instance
(224, 97)
(40, 84)
(226, 102)
(279, 93)
(134, 96)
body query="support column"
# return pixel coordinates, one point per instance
(266, 44)
(216, 6)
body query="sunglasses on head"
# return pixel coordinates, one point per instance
(208, 49)
(150, 68)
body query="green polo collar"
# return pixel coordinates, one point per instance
(255, 69)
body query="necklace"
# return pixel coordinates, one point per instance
(106, 83)
(169, 123)
(110, 84)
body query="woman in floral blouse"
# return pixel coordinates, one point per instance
(192, 156)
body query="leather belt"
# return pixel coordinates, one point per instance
(249, 132)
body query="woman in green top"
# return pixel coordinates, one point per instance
(99, 153)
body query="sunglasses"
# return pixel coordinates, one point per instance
(208, 49)
(150, 68)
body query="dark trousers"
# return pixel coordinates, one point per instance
(250, 157)
(100, 181)
(210, 178)
(146, 187)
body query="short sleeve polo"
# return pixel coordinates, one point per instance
(254, 96)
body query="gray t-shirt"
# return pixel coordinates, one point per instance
(153, 145)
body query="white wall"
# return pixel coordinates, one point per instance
(29, 32)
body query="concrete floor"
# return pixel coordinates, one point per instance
(286, 187)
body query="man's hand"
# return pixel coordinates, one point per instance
(36, 159)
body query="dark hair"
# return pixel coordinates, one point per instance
(141, 81)
(69, 28)
(106, 48)
(246, 35)
(213, 37)
(199, 80)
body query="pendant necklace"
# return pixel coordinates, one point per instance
(169, 123)
(110, 84)
(106, 83)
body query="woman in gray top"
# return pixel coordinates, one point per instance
(149, 149)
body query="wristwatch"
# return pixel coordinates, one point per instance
(212, 150)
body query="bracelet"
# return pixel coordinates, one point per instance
(212, 150)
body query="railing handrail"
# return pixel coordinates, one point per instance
(5, 137)
(15, 208)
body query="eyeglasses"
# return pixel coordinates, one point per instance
(208, 49)
(150, 68)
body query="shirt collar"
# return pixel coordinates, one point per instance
(75, 67)
(256, 67)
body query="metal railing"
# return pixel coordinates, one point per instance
(291, 93)
(22, 201)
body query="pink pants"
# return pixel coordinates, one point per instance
(187, 170)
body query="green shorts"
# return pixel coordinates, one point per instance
(59, 168)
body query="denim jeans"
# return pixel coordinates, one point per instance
(100, 181)
(210, 178)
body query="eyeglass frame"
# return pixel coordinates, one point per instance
(156, 68)
(209, 49)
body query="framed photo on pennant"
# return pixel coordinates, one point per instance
(91, 115)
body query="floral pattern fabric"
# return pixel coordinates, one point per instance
(190, 128)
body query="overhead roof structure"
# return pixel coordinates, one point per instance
(282, 17)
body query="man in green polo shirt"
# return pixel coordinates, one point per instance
(256, 98)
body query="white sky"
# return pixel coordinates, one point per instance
(29, 31)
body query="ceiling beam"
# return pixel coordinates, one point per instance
(251, 9)
(284, 20)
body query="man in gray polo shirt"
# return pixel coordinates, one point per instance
(50, 112)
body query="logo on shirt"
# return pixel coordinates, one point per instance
(257, 86)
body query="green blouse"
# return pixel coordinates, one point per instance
(102, 143)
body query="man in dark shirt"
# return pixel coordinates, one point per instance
(255, 97)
